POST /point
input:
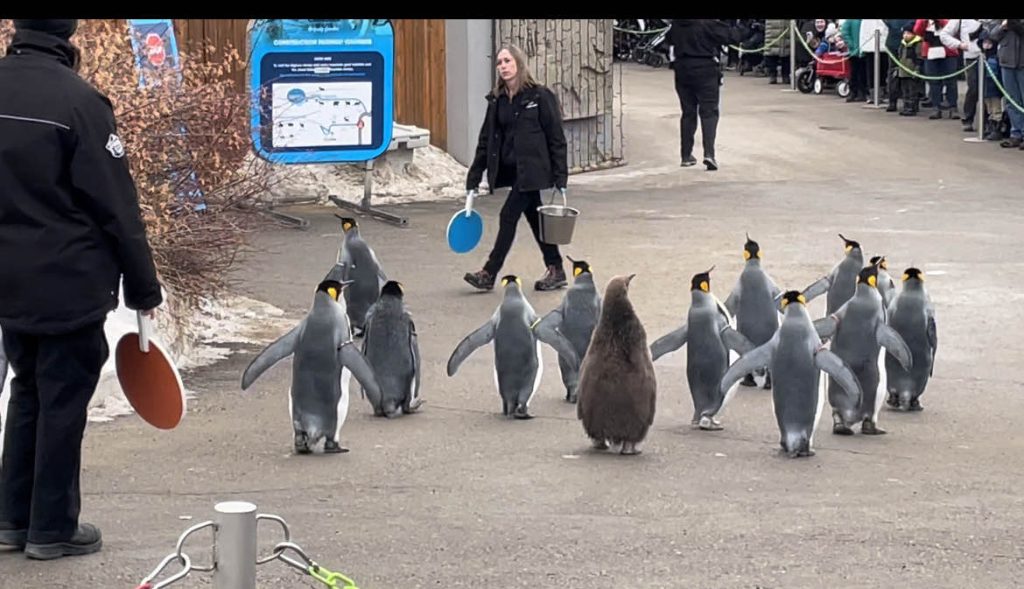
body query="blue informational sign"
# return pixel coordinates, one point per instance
(322, 90)
(156, 51)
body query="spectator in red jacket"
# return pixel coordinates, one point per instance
(939, 60)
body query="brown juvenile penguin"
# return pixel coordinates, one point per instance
(617, 387)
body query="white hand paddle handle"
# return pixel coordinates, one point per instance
(145, 330)
(470, 195)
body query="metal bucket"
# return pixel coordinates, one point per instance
(557, 222)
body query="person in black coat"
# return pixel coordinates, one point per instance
(694, 48)
(70, 228)
(521, 145)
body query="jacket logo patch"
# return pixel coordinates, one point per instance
(114, 146)
(531, 104)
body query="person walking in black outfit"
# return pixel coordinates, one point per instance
(694, 48)
(70, 227)
(521, 145)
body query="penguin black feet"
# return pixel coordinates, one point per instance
(598, 444)
(358, 331)
(870, 428)
(892, 400)
(629, 449)
(332, 447)
(521, 413)
(767, 381)
(841, 429)
(915, 405)
(302, 443)
(570, 395)
(748, 381)
(708, 423)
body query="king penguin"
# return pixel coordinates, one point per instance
(618, 388)
(913, 317)
(708, 336)
(392, 349)
(841, 281)
(886, 286)
(754, 301)
(576, 319)
(365, 272)
(518, 364)
(322, 345)
(858, 331)
(797, 357)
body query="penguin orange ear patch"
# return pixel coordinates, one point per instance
(705, 286)
(802, 299)
(577, 271)
(333, 292)
(872, 281)
(746, 255)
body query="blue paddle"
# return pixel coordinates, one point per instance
(465, 228)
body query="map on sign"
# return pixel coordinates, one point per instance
(312, 115)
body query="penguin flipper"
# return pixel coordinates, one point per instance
(933, 341)
(556, 340)
(755, 359)
(350, 357)
(281, 348)
(894, 345)
(3, 362)
(669, 342)
(414, 348)
(834, 366)
(826, 326)
(733, 300)
(735, 340)
(817, 288)
(469, 344)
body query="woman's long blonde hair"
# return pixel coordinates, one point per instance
(523, 74)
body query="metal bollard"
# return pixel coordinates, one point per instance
(980, 115)
(793, 32)
(235, 550)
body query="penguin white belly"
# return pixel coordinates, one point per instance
(880, 392)
(342, 409)
(540, 371)
(822, 395)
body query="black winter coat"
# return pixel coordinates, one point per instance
(540, 145)
(70, 224)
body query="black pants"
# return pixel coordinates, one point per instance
(772, 62)
(911, 89)
(971, 100)
(517, 204)
(858, 78)
(697, 85)
(54, 379)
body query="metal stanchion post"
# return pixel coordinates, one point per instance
(235, 550)
(979, 117)
(878, 66)
(792, 55)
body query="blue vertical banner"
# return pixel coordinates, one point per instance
(322, 90)
(156, 52)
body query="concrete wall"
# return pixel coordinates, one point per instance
(469, 63)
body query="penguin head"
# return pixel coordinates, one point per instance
(869, 276)
(793, 296)
(511, 280)
(751, 250)
(579, 267)
(880, 262)
(913, 274)
(702, 281)
(333, 288)
(392, 288)
(850, 244)
(347, 223)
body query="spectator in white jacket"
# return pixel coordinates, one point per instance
(962, 34)
(868, 26)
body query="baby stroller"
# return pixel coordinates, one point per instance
(833, 71)
(652, 49)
